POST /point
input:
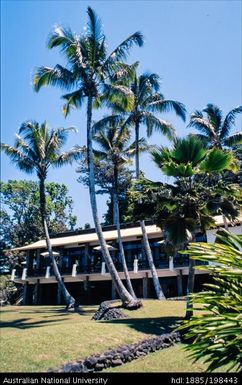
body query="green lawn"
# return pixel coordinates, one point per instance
(35, 338)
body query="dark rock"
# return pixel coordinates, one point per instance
(90, 362)
(125, 353)
(117, 362)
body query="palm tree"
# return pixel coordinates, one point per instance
(146, 103)
(113, 139)
(88, 74)
(214, 130)
(190, 203)
(35, 151)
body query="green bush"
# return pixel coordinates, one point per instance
(216, 329)
(7, 290)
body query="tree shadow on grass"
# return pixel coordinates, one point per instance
(158, 325)
(22, 323)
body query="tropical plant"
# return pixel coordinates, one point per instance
(216, 328)
(187, 206)
(35, 151)
(90, 73)
(147, 102)
(215, 131)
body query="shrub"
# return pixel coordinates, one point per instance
(216, 329)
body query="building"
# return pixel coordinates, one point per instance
(84, 272)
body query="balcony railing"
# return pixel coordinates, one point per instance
(100, 268)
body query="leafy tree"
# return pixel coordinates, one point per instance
(91, 72)
(215, 131)
(35, 151)
(190, 203)
(20, 215)
(7, 290)
(216, 328)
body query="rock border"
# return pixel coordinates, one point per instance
(121, 355)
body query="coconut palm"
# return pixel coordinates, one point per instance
(115, 149)
(89, 72)
(36, 149)
(214, 130)
(189, 204)
(147, 102)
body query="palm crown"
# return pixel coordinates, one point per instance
(39, 147)
(148, 100)
(113, 139)
(215, 131)
(89, 66)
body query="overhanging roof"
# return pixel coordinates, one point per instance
(92, 238)
(128, 233)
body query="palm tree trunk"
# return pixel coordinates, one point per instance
(120, 243)
(137, 169)
(190, 284)
(156, 282)
(69, 300)
(226, 225)
(159, 293)
(127, 299)
(190, 288)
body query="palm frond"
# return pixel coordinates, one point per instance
(229, 122)
(169, 105)
(67, 157)
(94, 30)
(233, 140)
(119, 95)
(188, 150)
(216, 161)
(18, 158)
(160, 155)
(121, 52)
(57, 76)
(107, 121)
(214, 115)
(201, 125)
(60, 36)
(152, 122)
(73, 100)
(143, 147)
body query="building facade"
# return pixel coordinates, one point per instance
(84, 272)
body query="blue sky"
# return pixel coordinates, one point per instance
(195, 46)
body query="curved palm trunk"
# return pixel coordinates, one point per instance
(156, 282)
(127, 299)
(120, 243)
(69, 300)
(159, 293)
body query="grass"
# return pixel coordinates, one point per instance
(36, 338)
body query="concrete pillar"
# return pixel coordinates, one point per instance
(145, 285)
(37, 293)
(26, 294)
(113, 291)
(179, 283)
